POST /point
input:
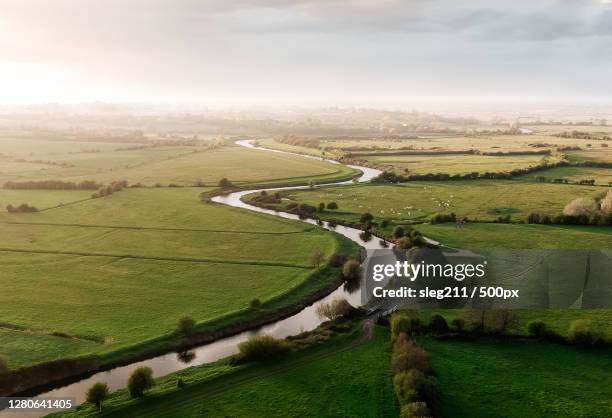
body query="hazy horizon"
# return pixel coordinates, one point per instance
(306, 52)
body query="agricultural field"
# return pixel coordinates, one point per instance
(338, 378)
(483, 142)
(130, 265)
(593, 155)
(450, 163)
(41, 200)
(602, 176)
(178, 165)
(514, 378)
(418, 201)
(494, 236)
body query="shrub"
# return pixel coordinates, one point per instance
(332, 205)
(403, 243)
(581, 333)
(413, 385)
(606, 204)
(415, 410)
(438, 324)
(398, 232)
(261, 347)
(180, 383)
(365, 236)
(458, 324)
(186, 325)
(384, 223)
(335, 309)
(351, 270)
(97, 394)
(580, 206)
(316, 258)
(408, 355)
(533, 218)
(255, 303)
(337, 260)
(536, 328)
(224, 183)
(366, 219)
(404, 387)
(321, 207)
(405, 324)
(140, 381)
(502, 320)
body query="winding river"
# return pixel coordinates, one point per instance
(305, 320)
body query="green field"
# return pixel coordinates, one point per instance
(180, 165)
(337, 378)
(451, 164)
(41, 199)
(128, 266)
(602, 176)
(494, 236)
(514, 378)
(475, 199)
(557, 320)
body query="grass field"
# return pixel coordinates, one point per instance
(475, 199)
(515, 378)
(334, 379)
(41, 199)
(451, 164)
(558, 320)
(598, 154)
(602, 176)
(181, 165)
(494, 236)
(128, 266)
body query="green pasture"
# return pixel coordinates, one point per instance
(475, 199)
(451, 164)
(41, 199)
(514, 378)
(602, 176)
(495, 236)
(179, 165)
(123, 269)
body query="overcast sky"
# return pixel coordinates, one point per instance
(303, 51)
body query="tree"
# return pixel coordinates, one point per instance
(503, 320)
(334, 309)
(186, 325)
(351, 270)
(255, 303)
(332, 205)
(606, 204)
(438, 324)
(398, 232)
(97, 394)
(140, 381)
(366, 218)
(580, 206)
(224, 183)
(316, 258)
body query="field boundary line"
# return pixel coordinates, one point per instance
(145, 228)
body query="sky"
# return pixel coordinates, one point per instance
(305, 51)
